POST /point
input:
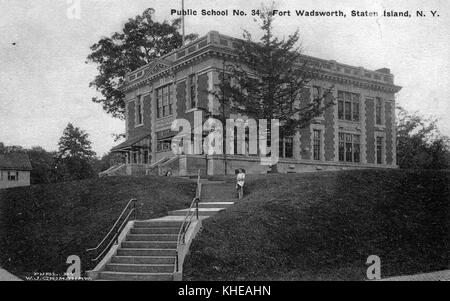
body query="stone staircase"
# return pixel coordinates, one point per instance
(149, 250)
(148, 253)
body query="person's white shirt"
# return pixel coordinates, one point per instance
(240, 178)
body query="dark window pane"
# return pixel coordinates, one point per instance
(341, 151)
(289, 148)
(356, 153)
(341, 109)
(356, 111)
(348, 110)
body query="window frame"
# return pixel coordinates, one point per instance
(13, 178)
(317, 145)
(349, 106)
(349, 147)
(379, 147)
(164, 101)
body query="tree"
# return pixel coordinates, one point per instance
(9, 149)
(420, 145)
(141, 41)
(269, 82)
(75, 155)
(43, 164)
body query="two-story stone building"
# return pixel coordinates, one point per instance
(357, 132)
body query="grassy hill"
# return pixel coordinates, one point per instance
(323, 226)
(40, 226)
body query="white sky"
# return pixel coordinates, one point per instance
(44, 81)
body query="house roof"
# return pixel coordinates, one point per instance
(15, 161)
(129, 143)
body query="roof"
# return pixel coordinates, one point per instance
(129, 142)
(15, 161)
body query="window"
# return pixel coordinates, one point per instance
(139, 111)
(356, 149)
(13, 176)
(355, 111)
(340, 105)
(349, 148)
(348, 106)
(317, 134)
(164, 140)
(164, 145)
(315, 92)
(164, 96)
(286, 149)
(341, 146)
(192, 91)
(379, 150)
(378, 110)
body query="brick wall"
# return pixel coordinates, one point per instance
(202, 91)
(305, 133)
(147, 126)
(329, 130)
(389, 133)
(370, 131)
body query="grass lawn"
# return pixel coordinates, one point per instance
(323, 226)
(40, 226)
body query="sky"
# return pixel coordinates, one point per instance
(44, 80)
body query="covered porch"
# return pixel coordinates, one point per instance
(136, 153)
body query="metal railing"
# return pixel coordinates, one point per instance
(181, 240)
(116, 229)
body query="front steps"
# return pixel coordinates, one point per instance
(207, 212)
(147, 254)
(149, 250)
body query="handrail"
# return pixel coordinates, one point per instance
(188, 219)
(117, 232)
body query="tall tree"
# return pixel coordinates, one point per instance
(420, 145)
(43, 164)
(141, 41)
(75, 154)
(269, 82)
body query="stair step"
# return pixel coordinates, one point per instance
(215, 204)
(201, 211)
(143, 260)
(146, 252)
(149, 244)
(158, 224)
(140, 268)
(161, 230)
(152, 237)
(121, 276)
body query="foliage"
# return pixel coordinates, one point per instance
(44, 166)
(75, 155)
(323, 226)
(420, 144)
(268, 82)
(41, 225)
(141, 40)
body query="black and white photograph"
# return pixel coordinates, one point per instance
(203, 142)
